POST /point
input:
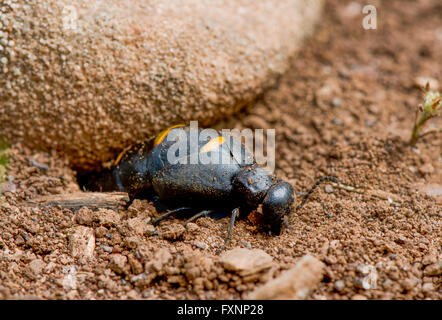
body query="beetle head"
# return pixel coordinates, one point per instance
(277, 204)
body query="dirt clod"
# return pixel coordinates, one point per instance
(246, 261)
(118, 263)
(82, 242)
(295, 283)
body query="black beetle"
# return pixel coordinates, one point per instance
(238, 184)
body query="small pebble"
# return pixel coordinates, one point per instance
(329, 189)
(338, 122)
(409, 284)
(427, 287)
(150, 230)
(426, 169)
(336, 102)
(192, 227)
(339, 285)
(37, 164)
(434, 269)
(19, 240)
(106, 248)
(246, 244)
(387, 284)
(7, 187)
(363, 269)
(200, 245)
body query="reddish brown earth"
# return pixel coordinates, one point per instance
(345, 108)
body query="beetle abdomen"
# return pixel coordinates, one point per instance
(195, 182)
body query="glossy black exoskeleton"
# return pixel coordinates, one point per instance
(217, 172)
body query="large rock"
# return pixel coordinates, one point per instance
(90, 77)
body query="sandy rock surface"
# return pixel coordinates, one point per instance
(88, 78)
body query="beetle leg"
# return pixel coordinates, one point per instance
(235, 213)
(168, 214)
(193, 218)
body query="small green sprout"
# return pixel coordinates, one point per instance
(430, 108)
(4, 158)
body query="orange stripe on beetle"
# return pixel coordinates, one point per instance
(164, 134)
(120, 156)
(213, 144)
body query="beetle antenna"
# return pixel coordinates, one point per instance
(317, 183)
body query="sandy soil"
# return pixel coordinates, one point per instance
(346, 108)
